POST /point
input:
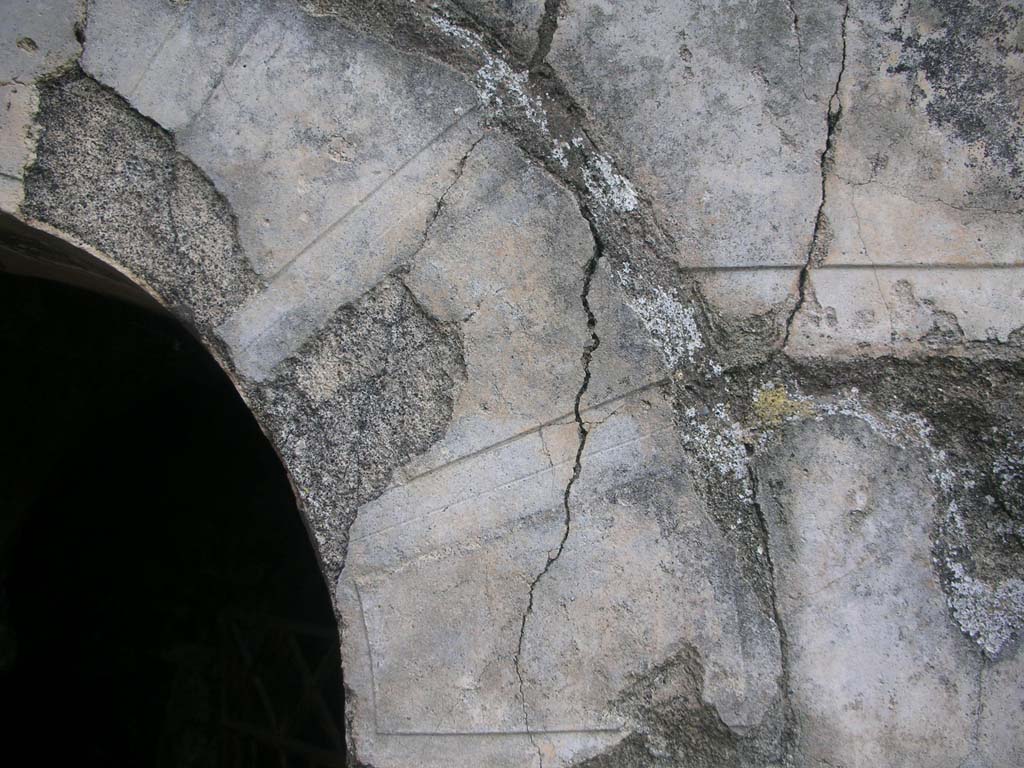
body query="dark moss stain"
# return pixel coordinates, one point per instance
(965, 57)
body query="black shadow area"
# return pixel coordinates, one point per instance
(160, 602)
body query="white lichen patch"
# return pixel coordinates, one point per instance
(500, 86)
(672, 326)
(990, 615)
(503, 89)
(558, 153)
(719, 440)
(612, 188)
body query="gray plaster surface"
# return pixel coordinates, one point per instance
(38, 37)
(20, 103)
(648, 374)
(721, 108)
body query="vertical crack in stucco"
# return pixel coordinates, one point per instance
(789, 716)
(546, 32)
(582, 433)
(835, 112)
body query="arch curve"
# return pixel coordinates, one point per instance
(612, 372)
(156, 575)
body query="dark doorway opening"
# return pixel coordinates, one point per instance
(160, 602)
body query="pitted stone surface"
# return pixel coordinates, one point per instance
(115, 180)
(371, 389)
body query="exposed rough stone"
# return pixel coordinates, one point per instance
(674, 726)
(373, 388)
(379, 234)
(114, 179)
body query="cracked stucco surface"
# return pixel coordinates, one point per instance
(648, 373)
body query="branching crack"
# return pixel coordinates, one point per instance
(546, 32)
(835, 112)
(460, 168)
(582, 432)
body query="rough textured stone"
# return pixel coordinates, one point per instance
(114, 179)
(371, 389)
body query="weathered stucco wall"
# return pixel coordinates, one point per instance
(649, 374)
